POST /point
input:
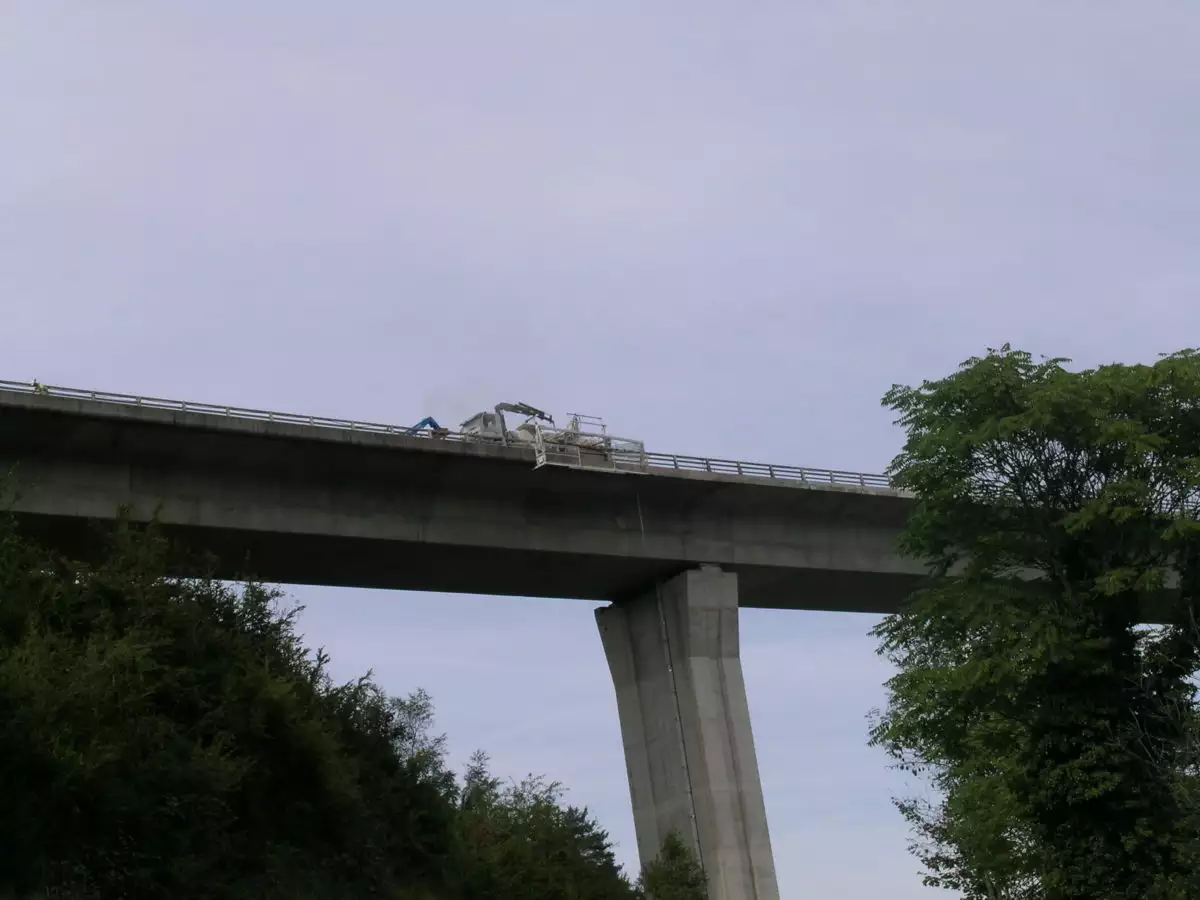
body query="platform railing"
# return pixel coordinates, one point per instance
(656, 461)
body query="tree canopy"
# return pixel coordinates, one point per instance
(1057, 511)
(174, 737)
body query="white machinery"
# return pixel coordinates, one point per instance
(584, 444)
(491, 425)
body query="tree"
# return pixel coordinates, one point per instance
(521, 841)
(166, 737)
(674, 875)
(1056, 510)
(174, 737)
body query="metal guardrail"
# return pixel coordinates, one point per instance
(660, 461)
(765, 470)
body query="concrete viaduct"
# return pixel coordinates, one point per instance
(292, 500)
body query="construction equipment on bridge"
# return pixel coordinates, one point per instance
(431, 423)
(586, 444)
(492, 426)
(583, 444)
(426, 423)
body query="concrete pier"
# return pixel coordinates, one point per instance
(685, 723)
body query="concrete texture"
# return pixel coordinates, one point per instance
(294, 503)
(685, 724)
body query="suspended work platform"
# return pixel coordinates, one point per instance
(586, 444)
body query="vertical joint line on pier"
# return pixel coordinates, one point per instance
(687, 770)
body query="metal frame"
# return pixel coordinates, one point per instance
(625, 458)
(595, 449)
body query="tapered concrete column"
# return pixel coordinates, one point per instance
(685, 723)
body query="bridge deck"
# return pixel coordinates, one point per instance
(128, 404)
(306, 502)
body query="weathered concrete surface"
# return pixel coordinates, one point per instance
(312, 505)
(685, 724)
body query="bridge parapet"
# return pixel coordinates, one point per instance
(647, 460)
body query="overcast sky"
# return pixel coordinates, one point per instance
(727, 228)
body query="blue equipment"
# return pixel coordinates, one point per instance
(427, 422)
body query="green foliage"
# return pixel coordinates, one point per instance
(168, 737)
(173, 738)
(675, 874)
(1056, 510)
(522, 841)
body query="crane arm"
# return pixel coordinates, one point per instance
(523, 409)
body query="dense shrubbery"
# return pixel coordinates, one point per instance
(165, 737)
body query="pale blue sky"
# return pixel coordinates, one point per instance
(727, 228)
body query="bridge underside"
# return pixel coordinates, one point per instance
(289, 558)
